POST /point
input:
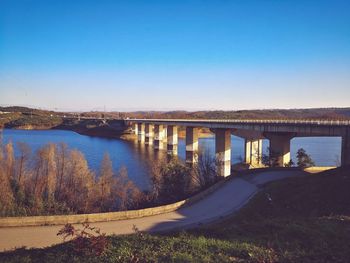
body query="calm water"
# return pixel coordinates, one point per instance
(325, 151)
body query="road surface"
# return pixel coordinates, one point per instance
(222, 202)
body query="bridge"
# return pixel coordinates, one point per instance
(158, 132)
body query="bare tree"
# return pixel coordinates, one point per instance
(51, 172)
(171, 181)
(105, 182)
(6, 194)
(125, 193)
(79, 183)
(9, 160)
(57, 180)
(24, 155)
(206, 169)
(61, 163)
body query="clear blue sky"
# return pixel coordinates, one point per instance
(162, 55)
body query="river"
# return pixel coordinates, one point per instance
(325, 151)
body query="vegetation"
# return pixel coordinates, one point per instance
(27, 118)
(173, 180)
(56, 180)
(86, 241)
(304, 219)
(34, 121)
(22, 116)
(326, 113)
(113, 126)
(304, 160)
(270, 159)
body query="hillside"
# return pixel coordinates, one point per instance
(326, 113)
(29, 119)
(316, 113)
(304, 219)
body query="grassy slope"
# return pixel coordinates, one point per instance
(294, 220)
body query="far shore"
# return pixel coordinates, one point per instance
(104, 132)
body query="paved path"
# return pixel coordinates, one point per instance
(224, 201)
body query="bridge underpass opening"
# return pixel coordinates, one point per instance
(324, 151)
(282, 142)
(207, 146)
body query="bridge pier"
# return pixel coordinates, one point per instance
(191, 145)
(253, 151)
(279, 132)
(149, 134)
(172, 140)
(279, 148)
(136, 129)
(223, 151)
(345, 148)
(141, 132)
(165, 132)
(158, 137)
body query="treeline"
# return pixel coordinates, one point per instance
(321, 113)
(33, 121)
(57, 180)
(314, 113)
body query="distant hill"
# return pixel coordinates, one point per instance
(320, 113)
(315, 113)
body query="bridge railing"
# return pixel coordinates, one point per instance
(236, 121)
(252, 121)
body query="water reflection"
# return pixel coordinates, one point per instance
(138, 157)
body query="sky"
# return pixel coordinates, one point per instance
(174, 55)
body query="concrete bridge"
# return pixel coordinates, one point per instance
(157, 132)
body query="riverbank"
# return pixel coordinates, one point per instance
(112, 129)
(106, 132)
(103, 131)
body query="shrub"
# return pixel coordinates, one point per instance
(304, 160)
(86, 241)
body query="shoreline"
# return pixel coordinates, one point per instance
(102, 132)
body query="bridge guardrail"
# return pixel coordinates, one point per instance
(253, 121)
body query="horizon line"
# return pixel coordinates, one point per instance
(132, 109)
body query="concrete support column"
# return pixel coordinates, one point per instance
(223, 151)
(172, 140)
(136, 130)
(191, 145)
(165, 134)
(141, 132)
(149, 134)
(158, 136)
(279, 148)
(253, 151)
(345, 148)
